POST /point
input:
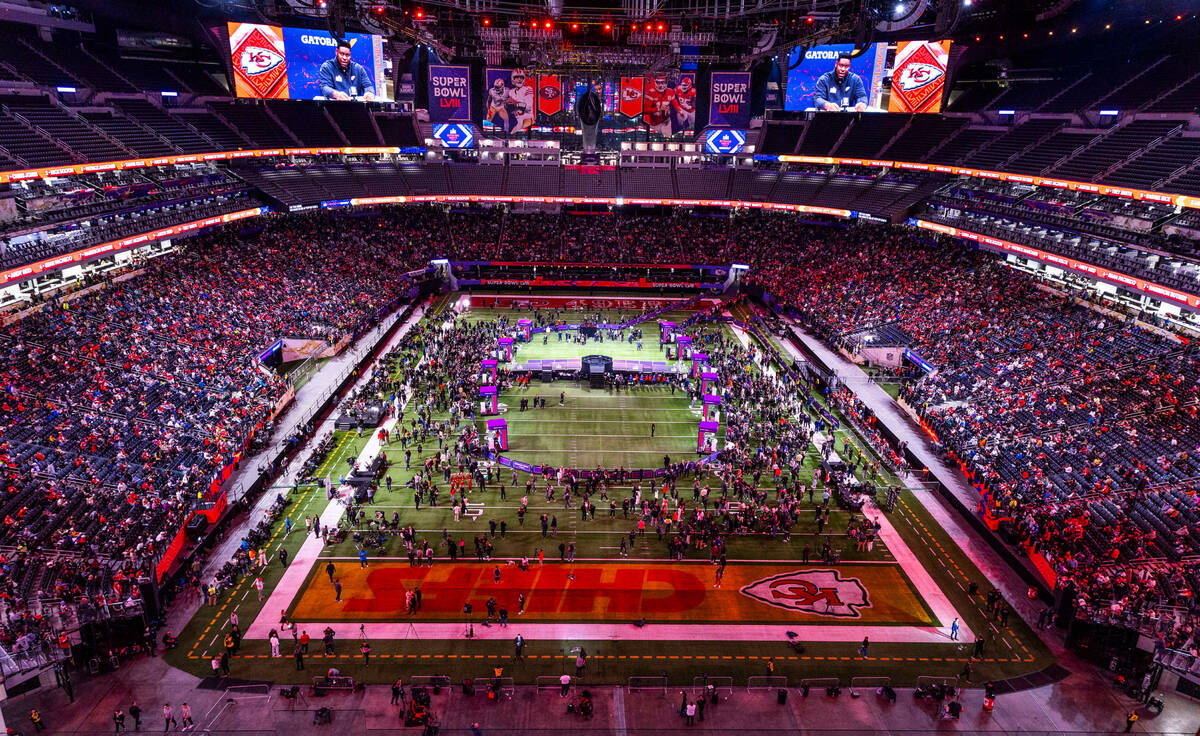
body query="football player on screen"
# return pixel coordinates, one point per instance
(657, 105)
(683, 104)
(498, 104)
(521, 101)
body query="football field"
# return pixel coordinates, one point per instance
(562, 579)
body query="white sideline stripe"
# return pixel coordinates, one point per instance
(471, 559)
(543, 630)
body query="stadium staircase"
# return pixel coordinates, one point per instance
(341, 134)
(1078, 81)
(1170, 93)
(282, 126)
(1100, 103)
(1139, 152)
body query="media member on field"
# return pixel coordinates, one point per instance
(341, 78)
(840, 89)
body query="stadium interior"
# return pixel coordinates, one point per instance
(830, 401)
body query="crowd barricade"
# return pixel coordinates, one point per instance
(719, 683)
(640, 684)
(550, 682)
(430, 681)
(765, 682)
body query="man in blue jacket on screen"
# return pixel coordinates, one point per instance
(342, 78)
(840, 89)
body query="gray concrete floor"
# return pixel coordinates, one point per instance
(1082, 703)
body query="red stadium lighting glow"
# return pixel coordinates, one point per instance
(574, 26)
(487, 21)
(420, 14)
(635, 25)
(608, 26)
(547, 24)
(660, 26)
(810, 19)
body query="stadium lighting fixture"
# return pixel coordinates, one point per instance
(899, 8)
(547, 25)
(64, 90)
(967, 3)
(1114, 113)
(574, 26)
(487, 21)
(420, 13)
(169, 93)
(1007, 112)
(608, 26)
(810, 19)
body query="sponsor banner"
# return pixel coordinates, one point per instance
(724, 141)
(550, 95)
(729, 100)
(297, 349)
(1179, 200)
(632, 89)
(455, 135)
(449, 94)
(588, 284)
(633, 304)
(1133, 283)
(260, 68)
(34, 269)
(511, 100)
(919, 76)
(309, 50)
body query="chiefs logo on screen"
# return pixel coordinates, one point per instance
(819, 592)
(259, 63)
(917, 75)
(630, 94)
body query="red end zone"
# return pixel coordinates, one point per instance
(749, 593)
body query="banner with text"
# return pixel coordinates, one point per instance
(729, 100)
(449, 94)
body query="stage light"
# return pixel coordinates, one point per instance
(967, 3)
(1107, 26)
(899, 8)
(420, 14)
(574, 26)
(487, 21)
(635, 25)
(379, 10)
(809, 19)
(1074, 30)
(608, 26)
(547, 25)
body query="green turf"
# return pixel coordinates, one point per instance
(565, 432)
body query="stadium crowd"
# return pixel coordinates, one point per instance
(120, 406)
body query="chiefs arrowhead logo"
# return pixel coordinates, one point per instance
(630, 94)
(917, 75)
(819, 592)
(260, 63)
